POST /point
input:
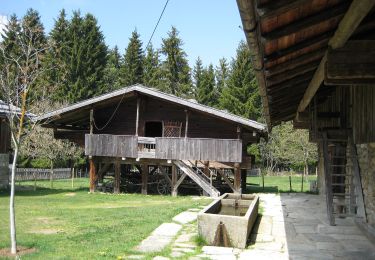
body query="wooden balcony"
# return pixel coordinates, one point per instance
(169, 148)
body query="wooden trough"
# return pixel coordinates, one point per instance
(228, 220)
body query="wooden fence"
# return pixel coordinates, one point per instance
(111, 145)
(29, 174)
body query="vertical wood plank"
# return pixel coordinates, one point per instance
(92, 175)
(144, 172)
(116, 187)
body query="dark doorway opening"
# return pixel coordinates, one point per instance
(153, 129)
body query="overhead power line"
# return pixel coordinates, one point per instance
(156, 26)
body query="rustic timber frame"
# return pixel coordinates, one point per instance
(144, 126)
(315, 64)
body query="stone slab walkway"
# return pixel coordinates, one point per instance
(292, 226)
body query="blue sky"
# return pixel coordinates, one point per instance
(209, 28)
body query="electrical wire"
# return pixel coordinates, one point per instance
(156, 26)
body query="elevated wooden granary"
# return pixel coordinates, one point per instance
(148, 128)
(315, 65)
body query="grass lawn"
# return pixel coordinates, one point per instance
(66, 223)
(277, 184)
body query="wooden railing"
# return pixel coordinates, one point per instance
(170, 148)
(205, 149)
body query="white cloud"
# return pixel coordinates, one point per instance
(3, 23)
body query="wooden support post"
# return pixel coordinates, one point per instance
(186, 123)
(116, 187)
(206, 170)
(92, 175)
(137, 116)
(91, 121)
(174, 181)
(328, 182)
(144, 171)
(237, 178)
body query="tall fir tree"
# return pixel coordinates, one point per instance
(152, 71)
(241, 95)
(222, 73)
(176, 70)
(111, 78)
(206, 93)
(58, 58)
(132, 70)
(197, 76)
(82, 56)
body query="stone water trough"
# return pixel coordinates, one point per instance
(228, 220)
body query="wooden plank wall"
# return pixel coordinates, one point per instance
(200, 125)
(111, 145)
(363, 111)
(222, 150)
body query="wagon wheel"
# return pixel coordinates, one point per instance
(163, 187)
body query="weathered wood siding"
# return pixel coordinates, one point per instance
(111, 145)
(363, 114)
(151, 109)
(222, 150)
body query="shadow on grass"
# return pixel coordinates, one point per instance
(259, 189)
(40, 191)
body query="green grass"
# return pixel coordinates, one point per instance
(90, 226)
(274, 184)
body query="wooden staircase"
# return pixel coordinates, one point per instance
(198, 177)
(344, 195)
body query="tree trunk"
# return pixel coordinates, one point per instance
(12, 215)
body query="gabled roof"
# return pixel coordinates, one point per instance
(158, 94)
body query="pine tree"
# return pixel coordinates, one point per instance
(176, 70)
(152, 70)
(81, 57)
(58, 58)
(221, 73)
(197, 76)
(111, 80)
(241, 95)
(132, 70)
(206, 93)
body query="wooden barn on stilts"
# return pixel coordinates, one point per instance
(158, 134)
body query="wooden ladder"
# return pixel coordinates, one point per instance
(343, 188)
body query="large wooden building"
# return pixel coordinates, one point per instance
(315, 65)
(148, 128)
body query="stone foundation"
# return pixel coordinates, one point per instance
(366, 158)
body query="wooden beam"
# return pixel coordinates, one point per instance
(186, 122)
(251, 29)
(93, 176)
(137, 116)
(320, 41)
(178, 183)
(144, 172)
(237, 178)
(292, 73)
(328, 182)
(174, 181)
(272, 9)
(352, 64)
(225, 178)
(117, 181)
(353, 17)
(296, 81)
(307, 22)
(91, 121)
(295, 63)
